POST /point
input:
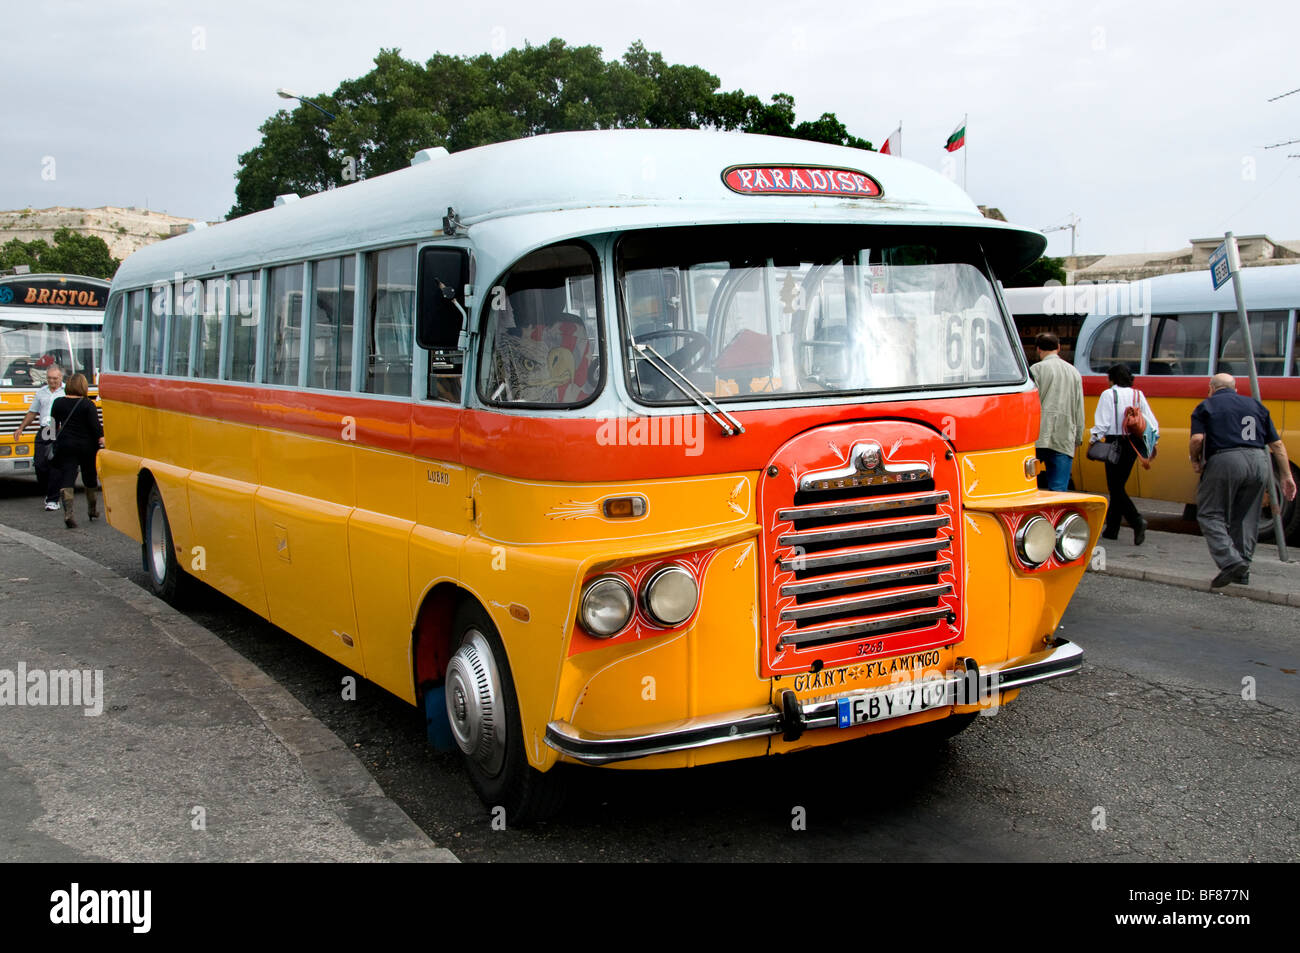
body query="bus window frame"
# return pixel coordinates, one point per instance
(483, 309)
(113, 323)
(1233, 321)
(1289, 368)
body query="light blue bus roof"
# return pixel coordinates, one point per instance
(517, 196)
(1263, 288)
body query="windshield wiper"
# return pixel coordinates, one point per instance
(729, 424)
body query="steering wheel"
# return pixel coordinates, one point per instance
(685, 359)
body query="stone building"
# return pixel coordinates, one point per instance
(1256, 250)
(124, 230)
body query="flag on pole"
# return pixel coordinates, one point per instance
(894, 144)
(958, 137)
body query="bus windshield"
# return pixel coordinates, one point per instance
(762, 312)
(29, 348)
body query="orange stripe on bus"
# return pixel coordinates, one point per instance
(569, 449)
(1270, 388)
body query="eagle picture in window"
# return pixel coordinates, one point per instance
(547, 363)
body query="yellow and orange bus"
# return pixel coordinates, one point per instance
(1173, 332)
(45, 320)
(639, 448)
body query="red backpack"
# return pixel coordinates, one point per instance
(1135, 425)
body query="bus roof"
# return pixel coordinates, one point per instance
(516, 196)
(1264, 288)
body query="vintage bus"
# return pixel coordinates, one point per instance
(1173, 332)
(634, 448)
(44, 320)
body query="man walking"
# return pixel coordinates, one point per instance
(1060, 431)
(1229, 434)
(44, 399)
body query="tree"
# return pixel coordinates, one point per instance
(72, 254)
(1038, 274)
(458, 102)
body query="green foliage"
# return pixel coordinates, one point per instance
(458, 102)
(1038, 274)
(71, 254)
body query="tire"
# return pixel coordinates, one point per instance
(158, 553)
(1290, 517)
(484, 713)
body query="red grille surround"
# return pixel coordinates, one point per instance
(862, 539)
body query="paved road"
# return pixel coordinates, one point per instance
(1154, 738)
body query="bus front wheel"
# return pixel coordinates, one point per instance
(158, 553)
(484, 714)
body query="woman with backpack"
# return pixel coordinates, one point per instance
(80, 437)
(1123, 431)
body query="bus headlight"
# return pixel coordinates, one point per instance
(1035, 540)
(670, 596)
(607, 605)
(1071, 537)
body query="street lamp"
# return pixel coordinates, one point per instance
(290, 94)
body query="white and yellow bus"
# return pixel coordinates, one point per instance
(45, 320)
(1173, 332)
(639, 448)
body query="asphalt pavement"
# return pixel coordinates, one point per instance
(195, 754)
(130, 733)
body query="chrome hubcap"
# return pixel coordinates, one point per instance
(157, 544)
(474, 704)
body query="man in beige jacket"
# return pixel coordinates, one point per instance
(1060, 430)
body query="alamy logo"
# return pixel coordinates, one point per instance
(64, 687)
(103, 906)
(636, 431)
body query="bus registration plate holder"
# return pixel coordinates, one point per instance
(908, 699)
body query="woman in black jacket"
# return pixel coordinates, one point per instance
(80, 438)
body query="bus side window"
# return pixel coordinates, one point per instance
(391, 291)
(537, 349)
(1119, 341)
(331, 350)
(113, 335)
(1267, 336)
(213, 309)
(134, 329)
(245, 305)
(153, 358)
(285, 304)
(185, 303)
(1180, 345)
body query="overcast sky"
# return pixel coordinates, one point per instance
(1146, 119)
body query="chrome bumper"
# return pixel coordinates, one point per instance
(793, 717)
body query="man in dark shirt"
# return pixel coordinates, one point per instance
(1229, 436)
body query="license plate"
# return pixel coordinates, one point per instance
(859, 709)
(22, 464)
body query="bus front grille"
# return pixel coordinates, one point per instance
(865, 560)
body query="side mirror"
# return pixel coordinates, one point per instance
(440, 311)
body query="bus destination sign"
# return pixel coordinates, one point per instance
(53, 293)
(801, 180)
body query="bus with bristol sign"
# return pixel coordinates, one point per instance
(46, 321)
(643, 449)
